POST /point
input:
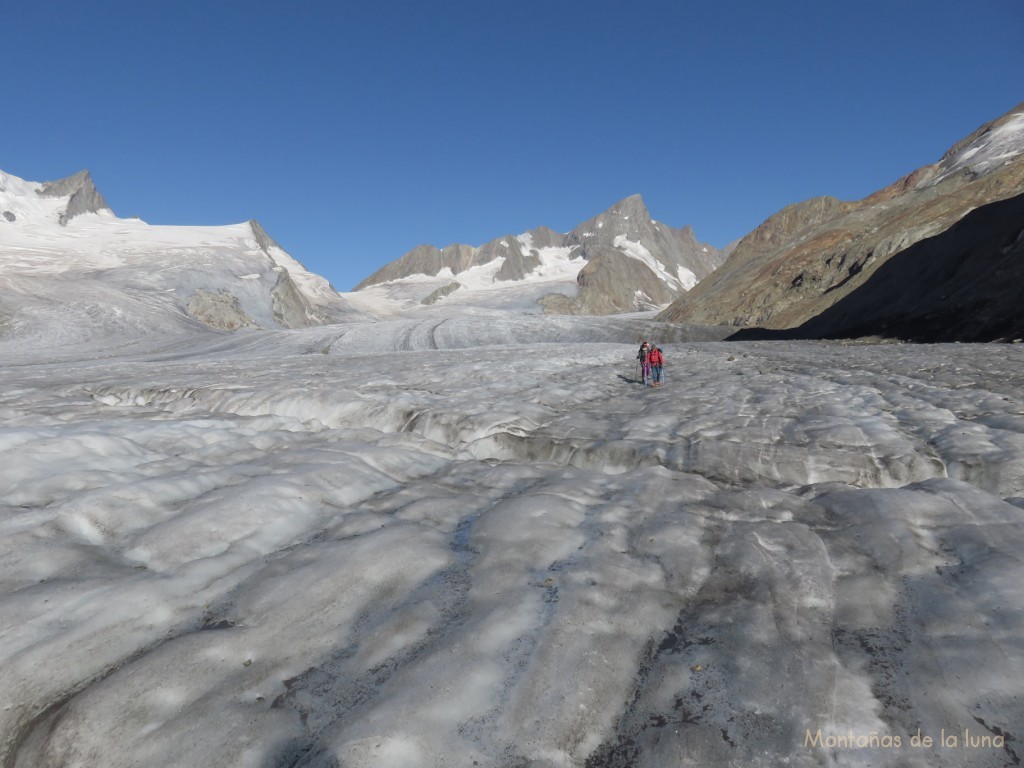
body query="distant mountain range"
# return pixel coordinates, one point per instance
(936, 256)
(618, 261)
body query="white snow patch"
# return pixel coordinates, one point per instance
(686, 278)
(989, 151)
(640, 252)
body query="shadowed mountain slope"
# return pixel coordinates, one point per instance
(965, 284)
(810, 256)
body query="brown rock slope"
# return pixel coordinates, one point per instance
(812, 256)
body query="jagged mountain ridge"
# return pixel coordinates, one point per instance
(620, 261)
(70, 264)
(811, 256)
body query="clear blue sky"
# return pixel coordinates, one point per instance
(354, 131)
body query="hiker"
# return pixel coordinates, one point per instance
(657, 362)
(645, 366)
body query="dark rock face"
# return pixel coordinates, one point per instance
(9, 216)
(289, 307)
(517, 266)
(82, 193)
(440, 293)
(965, 284)
(815, 255)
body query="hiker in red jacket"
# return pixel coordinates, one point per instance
(657, 363)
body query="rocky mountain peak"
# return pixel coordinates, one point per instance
(628, 218)
(630, 206)
(82, 194)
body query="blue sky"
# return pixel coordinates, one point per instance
(356, 131)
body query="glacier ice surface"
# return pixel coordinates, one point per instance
(433, 543)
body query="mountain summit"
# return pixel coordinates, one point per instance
(618, 261)
(82, 195)
(633, 261)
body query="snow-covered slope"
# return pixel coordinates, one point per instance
(478, 285)
(71, 269)
(986, 150)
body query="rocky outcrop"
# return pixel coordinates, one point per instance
(440, 293)
(517, 266)
(811, 256)
(522, 261)
(423, 260)
(221, 310)
(83, 197)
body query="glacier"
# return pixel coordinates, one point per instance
(475, 539)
